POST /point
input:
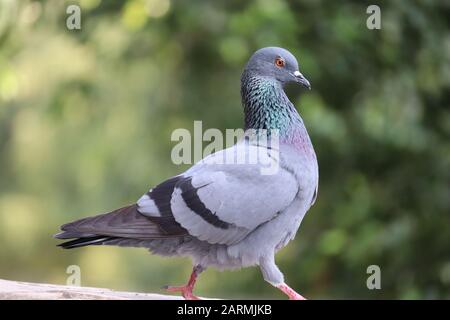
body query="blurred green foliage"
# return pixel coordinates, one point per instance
(86, 118)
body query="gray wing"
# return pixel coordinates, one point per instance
(221, 203)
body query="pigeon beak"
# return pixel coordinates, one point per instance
(302, 80)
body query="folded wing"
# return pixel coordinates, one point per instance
(221, 203)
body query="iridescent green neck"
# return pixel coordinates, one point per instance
(266, 106)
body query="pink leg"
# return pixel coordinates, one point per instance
(186, 290)
(290, 292)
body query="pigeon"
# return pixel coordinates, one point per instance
(223, 214)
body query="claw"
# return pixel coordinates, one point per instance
(290, 292)
(186, 291)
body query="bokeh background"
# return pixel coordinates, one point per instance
(86, 118)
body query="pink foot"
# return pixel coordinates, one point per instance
(186, 291)
(290, 292)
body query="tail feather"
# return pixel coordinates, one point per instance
(82, 242)
(72, 234)
(123, 223)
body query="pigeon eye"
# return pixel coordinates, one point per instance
(279, 62)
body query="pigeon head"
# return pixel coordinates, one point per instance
(276, 63)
